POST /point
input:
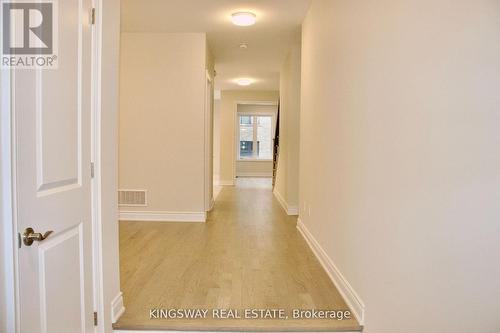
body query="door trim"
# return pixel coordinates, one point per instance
(9, 204)
(95, 156)
(208, 122)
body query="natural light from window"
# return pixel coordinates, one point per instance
(256, 140)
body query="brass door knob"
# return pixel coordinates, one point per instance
(29, 236)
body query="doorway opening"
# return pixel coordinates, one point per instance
(217, 187)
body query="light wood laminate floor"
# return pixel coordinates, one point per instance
(249, 255)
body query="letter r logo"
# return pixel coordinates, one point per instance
(28, 27)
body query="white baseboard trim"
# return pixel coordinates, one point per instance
(117, 308)
(160, 331)
(290, 210)
(351, 298)
(160, 216)
(255, 174)
(293, 210)
(226, 182)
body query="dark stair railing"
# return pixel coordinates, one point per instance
(276, 145)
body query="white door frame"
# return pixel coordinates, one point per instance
(209, 115)
(8, 191)
(8, 228)
(96, 130)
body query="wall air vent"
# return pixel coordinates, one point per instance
(132, 198)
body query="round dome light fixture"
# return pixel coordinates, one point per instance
(244, 82)
(243, 19)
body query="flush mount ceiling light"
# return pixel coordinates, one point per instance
(244, 46)
(243, 19)
(244, 82)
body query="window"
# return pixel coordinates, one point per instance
(246, 120)
(246, 136)
(256, 141)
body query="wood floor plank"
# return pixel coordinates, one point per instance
(249, 255)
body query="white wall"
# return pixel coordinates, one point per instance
(109, 155)
(162, 119)
(400, 157)
(228, 104)
(287, 176)
(254, 168)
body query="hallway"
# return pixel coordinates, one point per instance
(249, 255)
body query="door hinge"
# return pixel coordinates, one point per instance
(92, 170)
(95, 318)
(92, 16)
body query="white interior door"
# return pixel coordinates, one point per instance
(52, 125)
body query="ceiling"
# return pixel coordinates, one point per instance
(278, 26)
